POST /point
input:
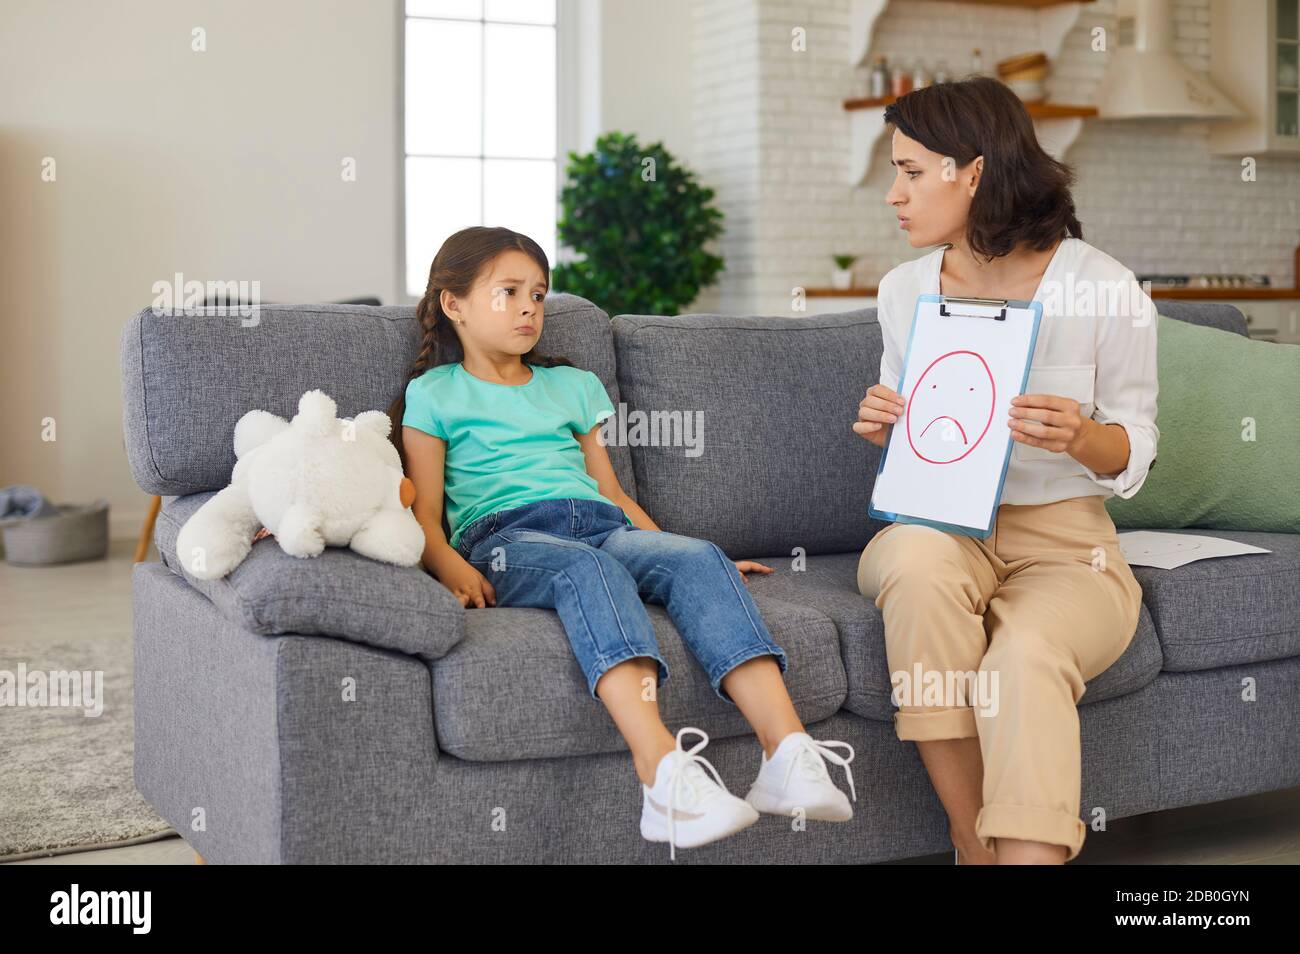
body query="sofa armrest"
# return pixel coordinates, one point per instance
(339, 593)
(256, 732)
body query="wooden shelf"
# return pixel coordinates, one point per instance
(1184, 294)
(1056, 125)
(1055, 19)
(864, 291)
(1035, 110)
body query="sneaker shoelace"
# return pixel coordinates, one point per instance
(809, 759)
(687, 773)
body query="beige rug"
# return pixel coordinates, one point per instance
(65, 777)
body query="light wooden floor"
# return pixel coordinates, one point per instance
(91, 600)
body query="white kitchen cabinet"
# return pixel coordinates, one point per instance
(1255, 60)
(1271, 319)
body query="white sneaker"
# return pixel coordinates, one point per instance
(796, 778)
(686, 807)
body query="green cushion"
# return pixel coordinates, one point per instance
(1209, 471)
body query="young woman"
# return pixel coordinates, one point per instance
(1047, 601)
(537, 518)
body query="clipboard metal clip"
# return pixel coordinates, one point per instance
(1000, 303)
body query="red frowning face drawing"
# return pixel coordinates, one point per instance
(951, 407)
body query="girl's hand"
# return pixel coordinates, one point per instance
(877, 414)
(1048, 421)
(749, 566)
(467, 584)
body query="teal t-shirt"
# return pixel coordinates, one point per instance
(508, 444)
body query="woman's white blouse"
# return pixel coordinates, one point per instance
(1096, 344)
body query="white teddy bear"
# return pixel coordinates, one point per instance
(313, 482)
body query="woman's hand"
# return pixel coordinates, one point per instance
(749, 566)
(1048, 421)
(877, 414)
(466, 583)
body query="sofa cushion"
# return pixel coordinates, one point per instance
(779, 465)
(1228, 611)
(186, 380)
(1214, 471)
(338, 593)
(829, 584)
(512, 688)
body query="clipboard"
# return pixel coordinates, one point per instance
(1020, 321)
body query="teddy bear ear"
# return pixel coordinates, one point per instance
(316, 413)
(376, 421)
(256, 428)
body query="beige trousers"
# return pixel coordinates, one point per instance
(1001, 634)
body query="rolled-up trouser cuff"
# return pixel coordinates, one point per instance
(606, 663)
(1030, 823)
(928, 725)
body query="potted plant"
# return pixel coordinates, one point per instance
(638, 223)
(842, 274)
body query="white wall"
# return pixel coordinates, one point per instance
(647, 72)
(729, 160)
(222, 165)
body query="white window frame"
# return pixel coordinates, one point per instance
(577, 106)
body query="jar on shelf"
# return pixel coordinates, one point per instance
(879, 81)
(901, 82)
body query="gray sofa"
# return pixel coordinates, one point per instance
(470, 737)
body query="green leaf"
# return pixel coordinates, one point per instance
(640, 243)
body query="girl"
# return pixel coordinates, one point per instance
(538, 518)
(1047, 602)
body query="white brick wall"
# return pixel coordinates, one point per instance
(772, 140)
(726, 64)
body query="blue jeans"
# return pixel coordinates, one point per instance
(582, 559)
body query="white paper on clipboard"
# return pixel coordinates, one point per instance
(947, 455)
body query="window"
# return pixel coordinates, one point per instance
(480, 123)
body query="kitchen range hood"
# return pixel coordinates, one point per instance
(1144, 77)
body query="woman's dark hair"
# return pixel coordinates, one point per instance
(456, 268)
(1023, 193)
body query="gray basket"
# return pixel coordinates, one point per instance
(76, 532)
